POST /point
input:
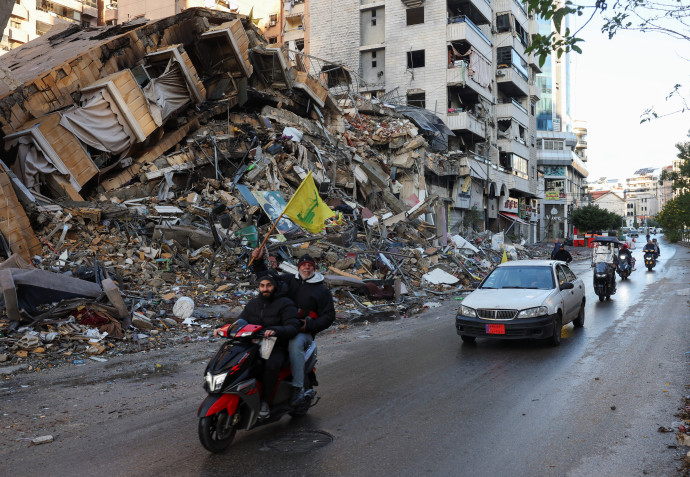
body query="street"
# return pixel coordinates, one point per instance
(397, 398)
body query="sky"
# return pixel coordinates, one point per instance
(615, 81)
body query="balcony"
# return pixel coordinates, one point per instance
(512, 82)
(459, 75)
(464, 121)
(515, 146)
(15, 34)
(296, 34)
(462, 28)
(442, 166)
(20, 11)
(509, 108)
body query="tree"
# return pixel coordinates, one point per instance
(666, 17)
(593, 217)
(675, 216)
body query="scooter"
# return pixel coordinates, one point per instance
(624, 268)
(604, 280)
(649, 260)
(233, 390)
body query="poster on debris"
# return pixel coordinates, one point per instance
(273, 204)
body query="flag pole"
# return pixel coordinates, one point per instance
(268, 234)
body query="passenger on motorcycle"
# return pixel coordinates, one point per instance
(658, 250)
(315, 311)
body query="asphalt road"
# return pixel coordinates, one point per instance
(398, 398)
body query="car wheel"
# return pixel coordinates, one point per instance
(468, 339)
(579, 322)
(557, 329)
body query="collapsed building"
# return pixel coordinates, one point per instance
(146, 159)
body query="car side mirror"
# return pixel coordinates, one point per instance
(567, 286)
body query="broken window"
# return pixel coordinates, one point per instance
(503, 23)
(415, 59)
(416, 99)
(415, 16)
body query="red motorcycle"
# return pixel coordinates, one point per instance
(233, 389)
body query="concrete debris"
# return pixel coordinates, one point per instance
(133, 197)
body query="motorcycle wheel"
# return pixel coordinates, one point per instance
(650, 268)
(215, 433)
(601, 297)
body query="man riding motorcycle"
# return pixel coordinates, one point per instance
(625, 250)
(607, 253)
(650, 247)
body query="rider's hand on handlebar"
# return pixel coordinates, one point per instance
(268, 333)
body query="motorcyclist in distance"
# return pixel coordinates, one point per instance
(650, 247)
(625, 250)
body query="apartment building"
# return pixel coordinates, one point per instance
(643, 195)
(128, 10)
(464, 61)
(561, 144)
(33, 18)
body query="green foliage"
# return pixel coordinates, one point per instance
(473, 218)
(675, 216)
(593, 217)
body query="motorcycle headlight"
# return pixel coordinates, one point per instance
(215, 381)
(533, 312)
(621, 257)
(467, 311)
(601, 275)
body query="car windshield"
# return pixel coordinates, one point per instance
(537, 278)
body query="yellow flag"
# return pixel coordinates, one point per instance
(306, 208)
(505, 257)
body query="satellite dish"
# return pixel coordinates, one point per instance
(554, 211)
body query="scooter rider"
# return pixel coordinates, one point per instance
(316, 311)
(656, 245)
(625, 250)
(278, 316)
(650, 247)
(606, 253)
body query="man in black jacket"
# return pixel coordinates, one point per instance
(278, 316)
(316, 311)
(563, 255)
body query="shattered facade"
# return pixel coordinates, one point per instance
(143, 162)
(486, 96)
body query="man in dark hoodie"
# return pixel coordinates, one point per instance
(278, 316)
(316, 311)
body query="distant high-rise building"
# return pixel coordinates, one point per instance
(561, 142)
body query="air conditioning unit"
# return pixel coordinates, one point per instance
(500, 73)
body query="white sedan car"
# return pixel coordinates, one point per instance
(523, 299)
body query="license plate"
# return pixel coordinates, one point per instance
(495, 329)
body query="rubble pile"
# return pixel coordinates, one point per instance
(168, 149)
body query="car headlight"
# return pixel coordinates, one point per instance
(215, 381)
(533, 312)
(467, 311)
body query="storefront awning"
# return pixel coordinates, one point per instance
(513, 217)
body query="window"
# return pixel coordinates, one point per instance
(373, 64)
(373, 54)
(272, 20)
(415, 59)
(373, 14)
(373, 22)
(416, 99)
(273, 41)
(502, 23)
(415, 16)
(15, 24)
